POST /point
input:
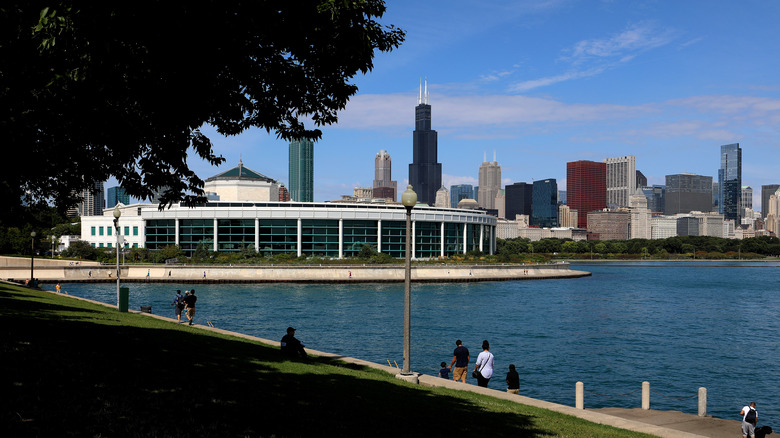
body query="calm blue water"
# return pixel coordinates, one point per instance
(679, 327)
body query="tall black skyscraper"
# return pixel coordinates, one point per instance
(425, 171)
(518, 199)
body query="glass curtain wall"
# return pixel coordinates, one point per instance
(453, 239)
(428, 239)
(233, 235)
(320, 237)
(194, 232)
(278, 236)
(358, 233)
(394, 238)
(160, 233)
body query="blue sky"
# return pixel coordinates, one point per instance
(541, 83)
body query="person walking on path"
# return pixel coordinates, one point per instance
(189, 305)
(749, 420)
(512, 380)
(178, 304)
(460, 362)
(291, 346)
(484, 366)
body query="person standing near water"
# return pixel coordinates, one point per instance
(178, 304)
(749, 420)
(460, 362)
(189, 305)
(484, 365)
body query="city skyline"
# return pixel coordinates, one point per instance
(546, 83)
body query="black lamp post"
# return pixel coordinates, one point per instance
(117, 213)
(409, 200)
(32, 257)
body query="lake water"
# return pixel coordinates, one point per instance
(678, 326)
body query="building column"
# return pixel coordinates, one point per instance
(341, 238)
(492, 240)
(414, 239)
(216, 232)
(441, 237)
(257, 234)
(481, 236)
(465, 238)
(176, 241)
(379, 235)
(300, 237)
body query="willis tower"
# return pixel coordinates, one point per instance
(425, 171)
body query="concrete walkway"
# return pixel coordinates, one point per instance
(676, 420)
(668, 424)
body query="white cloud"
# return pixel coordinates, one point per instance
(593, 57)
(637, 38)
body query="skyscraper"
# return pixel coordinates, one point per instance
(544, 208)
(640, 216)
(586, 188)
(767, 191)
(746, 198)
(424, 171)
(92, 201)
(442, 198)
(384, 186)
(116, 195)
(489, 183)
(656, 197)
(730, 181)
(518, 199)
(621, 180)
(302, 171)
(687, 192)
(459, 192)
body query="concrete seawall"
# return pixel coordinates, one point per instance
(66, 272)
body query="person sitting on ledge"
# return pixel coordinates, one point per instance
(291, 346)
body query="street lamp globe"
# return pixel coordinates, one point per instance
(117, 212)
(409, 197)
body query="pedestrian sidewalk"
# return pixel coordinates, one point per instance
(676, 420)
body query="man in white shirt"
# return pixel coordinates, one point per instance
(749, 420)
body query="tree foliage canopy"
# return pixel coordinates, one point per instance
(89, 91)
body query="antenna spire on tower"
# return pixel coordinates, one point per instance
(419, 98)
(426, 90)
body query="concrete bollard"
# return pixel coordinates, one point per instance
(702, 402)
(579, 398)
(645, 396)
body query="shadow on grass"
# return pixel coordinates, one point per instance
(73, 377)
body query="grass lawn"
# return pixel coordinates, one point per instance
(72, 368)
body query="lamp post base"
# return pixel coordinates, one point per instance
(411, 377)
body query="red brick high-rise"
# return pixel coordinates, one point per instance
(586, 188)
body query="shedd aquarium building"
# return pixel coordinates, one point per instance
(315, 229)
(245, 216)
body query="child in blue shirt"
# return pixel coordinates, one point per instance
(444, 372)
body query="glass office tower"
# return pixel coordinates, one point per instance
(459, 192)
(730, 181)
(545, 203)
(302, 171)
